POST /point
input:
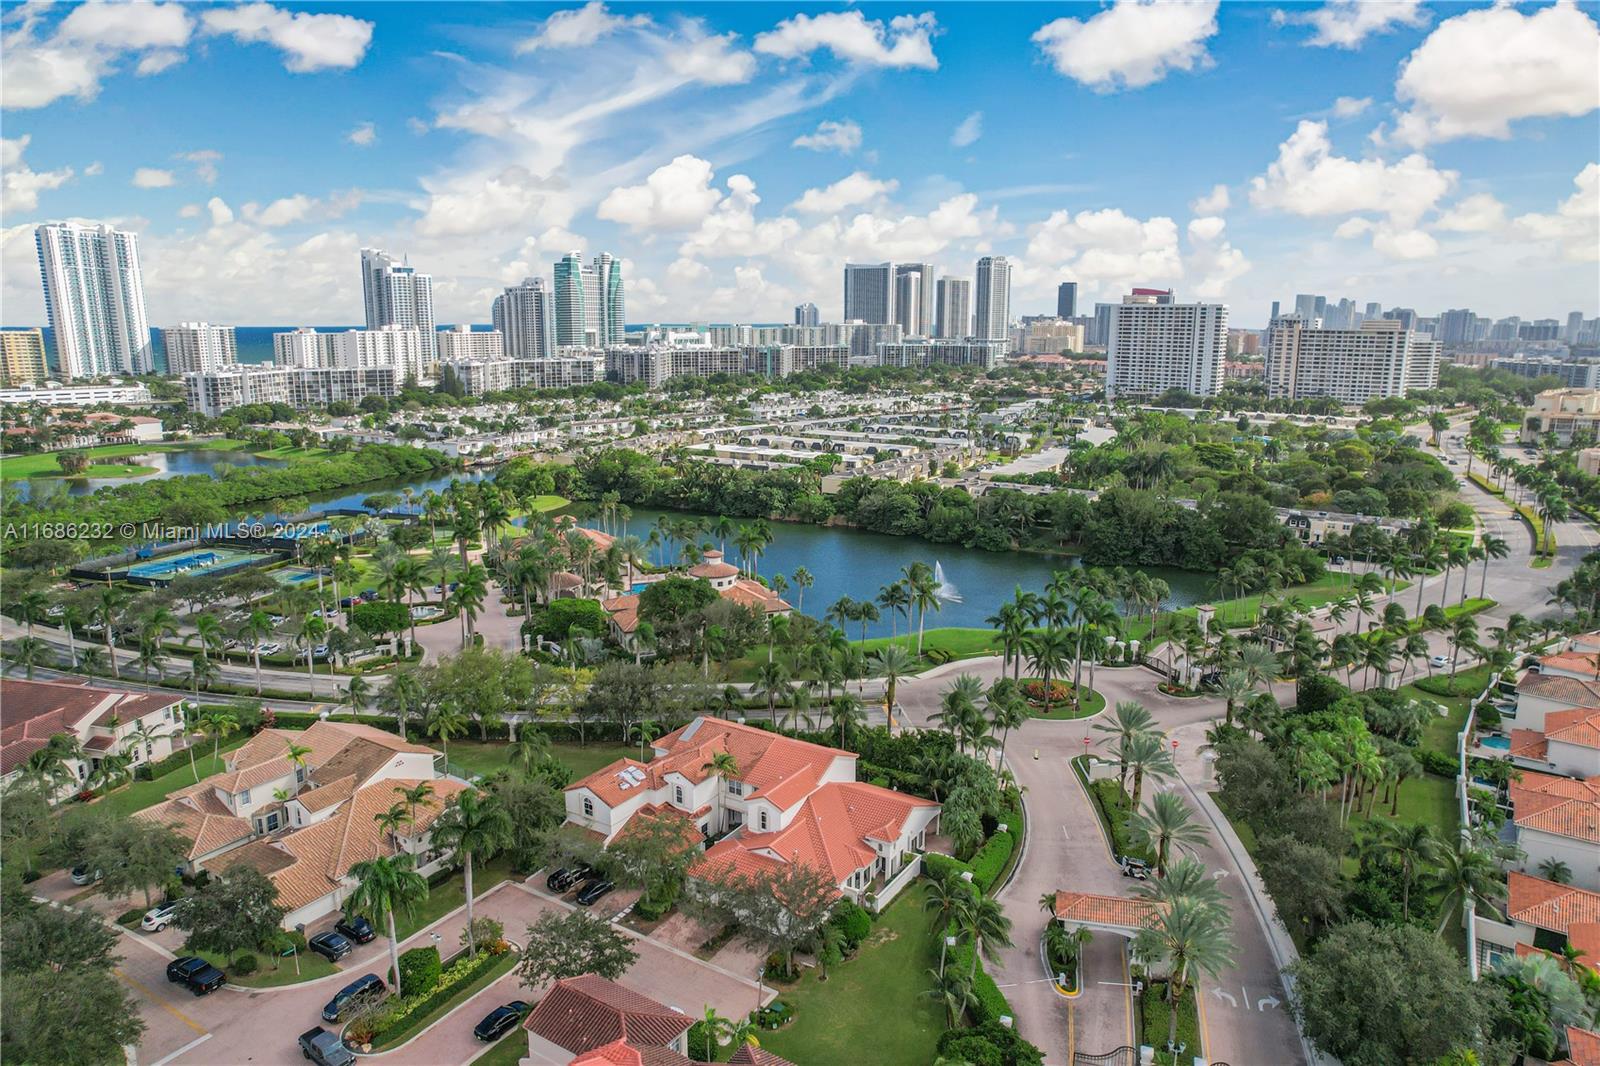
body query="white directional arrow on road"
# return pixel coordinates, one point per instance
(1267, 1001)
(1220, 994)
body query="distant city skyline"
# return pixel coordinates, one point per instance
(1308, 148)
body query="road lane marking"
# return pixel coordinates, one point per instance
(163, 1004)
(190, 1046)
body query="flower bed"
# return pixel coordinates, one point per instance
(1089, 702)
(461, 979)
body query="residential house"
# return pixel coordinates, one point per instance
(101, 721)
(722, 576)
(589, 1021)
(1540, 915)
(787, 801)
(1558, 819)
(303, 816)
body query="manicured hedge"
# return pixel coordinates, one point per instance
(1115, 805)
(989, 860)
(420, 969)
(939, 866)
(991, 1003)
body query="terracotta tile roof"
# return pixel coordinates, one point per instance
(1579, 726)
(830, 832)
(1089, 909)
(1573, 691)
(199, 817)
(1527, 744)
(749, 593)
(324, 796)
(1562, 805)
(1583, 1046)
(264, 856)
(33, 711)
(713, 568)
(622, 1053)
(747, 1055)
(1576, 662)
(1547, 905)
(251, 776)
(326, 851)
(606, 782)
(580, 1014)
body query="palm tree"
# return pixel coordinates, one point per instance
(722, 765)
(1464, 873)
(772, 680)
(474, 825)
(1186, 879)
(1165, 822)
(1007, 711)
(986, 925)
(1235, 685)
(895, 600)
(952, 991)
(446, 720)
(1128, 720)
(1413, 847)
(216, 724)
(1193, 939)
(386, 886)
(803, 580)
(107, 609)
(893, 663)
(412, 797)
(392, 821)
(947, 900)
(29, 652)
(1553, 869)
(845, 709)
(1147, 753)
(1048, 654)
(1492, 547)
(924, 594)
(530, 747)
(258, 625)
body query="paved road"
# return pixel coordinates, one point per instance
(1066, 850)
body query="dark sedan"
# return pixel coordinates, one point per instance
(330, 946)
(593, 891)
(363, 989)
(355, 927)
(500, 1020)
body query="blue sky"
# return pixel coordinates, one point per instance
(735, 155)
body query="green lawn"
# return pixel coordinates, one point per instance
(44, 464)
(291, 452)
(452, 894)
(1439, 731)
(312, 966)
(141, 794)
(1090, 702)
(541, 503)
(107, 470)
(1157, 1018)
(960, 643)
(507, 1051)
(1429, 799)
(481, 758)
(872, 1000)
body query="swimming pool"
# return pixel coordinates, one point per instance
(204, 560)
(1497, 743)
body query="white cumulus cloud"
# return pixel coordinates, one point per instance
(1351, 106)
(1575, 226)
(1478, 213)
(308, 41)
(676, 196)
(363, 136)
(831, 136)
(1131, 44)
(20, 184)
(1479, 72)
(907, 40)
(850, 191)
(86, 46)
(152, 178)
(579, 27)
(969, 130)
(1346, 23)
(1212, 203)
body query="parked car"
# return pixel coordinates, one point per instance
(158, 918)
(355, 927)
(1439, 661)
(271, 647)
(369, 595)
(1137, 869)
(366, 987)
(82, 876)
(347, 602)
(330, 946)
(500, 1020)
(196, 974)
(568, 876)
(324, 1048)
(593, 891)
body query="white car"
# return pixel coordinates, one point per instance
(1439, 661)
(271, 648)
(158, 918)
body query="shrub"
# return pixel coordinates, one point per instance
(245, 963)
(1115, 806)
(991, 1004)
(485, 933)
(1489, 715)
(461, 970)
(132, 918)
(939, 866)
(1314, 692)
(991, 859)
(774, 1015)
(702, 1042)
(990, 1042)
(1436, 762)
(420, 970)
(853, 922)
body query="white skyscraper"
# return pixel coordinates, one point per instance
(914, 310)
(1379, 359)
(869, 292)
(525, 316)
(464, 344)
(94, 293)
(396, 295)
(953, 315)
(992, 301)
(199, 346)
(1155, 344)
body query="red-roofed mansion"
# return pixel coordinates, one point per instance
(788, 801)
(102, 721)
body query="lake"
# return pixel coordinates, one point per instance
(167, 464)
(850, 562)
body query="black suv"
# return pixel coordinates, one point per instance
(196, 974)
(330, 946)
(568, 876)
(367, 986)
(355, 927)
(592, 891)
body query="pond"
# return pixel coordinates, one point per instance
(167, 464)
(850, 562)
